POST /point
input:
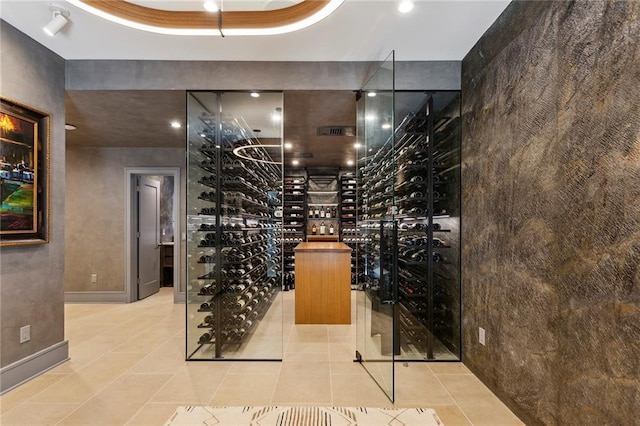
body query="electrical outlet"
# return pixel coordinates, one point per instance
(94, 278)
(25, 333)
(481, 335)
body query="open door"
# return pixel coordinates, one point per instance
(377, 340)
(148, 237)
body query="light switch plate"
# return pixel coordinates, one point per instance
(481, 335)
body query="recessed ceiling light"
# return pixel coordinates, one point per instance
(255, 94)
(349, 162)
(371, 94)
(69, 127)
(405, 6)
(176, 124)
(288, 145)
(295, 162)
(357, 145)
(386, 125)
(210, 6)
(370, 117)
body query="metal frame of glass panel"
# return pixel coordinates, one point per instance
(410, 306)
(234, 237)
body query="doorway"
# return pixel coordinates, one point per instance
(153, 231)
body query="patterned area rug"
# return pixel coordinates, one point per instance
(303, 416)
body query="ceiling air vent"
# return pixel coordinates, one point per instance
(336, 131)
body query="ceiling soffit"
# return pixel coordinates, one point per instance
(149, 18)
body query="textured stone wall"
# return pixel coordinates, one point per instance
(551, 202)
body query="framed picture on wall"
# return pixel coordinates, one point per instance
(24, 174)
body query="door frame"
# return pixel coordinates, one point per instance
(131, 214)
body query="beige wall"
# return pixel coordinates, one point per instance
(31, 287)
(95, 219)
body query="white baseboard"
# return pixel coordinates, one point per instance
(32, 366)
(95, 297)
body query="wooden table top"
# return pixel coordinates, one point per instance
(323, 246)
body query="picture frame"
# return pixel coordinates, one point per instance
(24, 174)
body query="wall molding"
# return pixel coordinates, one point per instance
(33, 365)
(95, 297)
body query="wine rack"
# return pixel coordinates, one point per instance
(323, 222)
(411, 192)
(349, 230)
(294, 223)
(233, 234)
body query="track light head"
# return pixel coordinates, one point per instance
(58, 21)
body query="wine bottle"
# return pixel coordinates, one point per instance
(316, 212)
(322, 214)
(328, 213)
(323, 228)
(331, 229)
(206, 338)
(314, 229)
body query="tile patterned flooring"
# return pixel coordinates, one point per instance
(127, 367)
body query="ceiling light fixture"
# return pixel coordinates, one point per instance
(58, 21)
(349, 162)
(357, 145)
(210, 6)
(405, 6)
(176, 124)
(295, 162)
(255, 94)
(386, 124)
(69, 127)
(130, 19)
(288, 145)
(372, 94)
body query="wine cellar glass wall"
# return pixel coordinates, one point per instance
(234, 255)
(410, 224)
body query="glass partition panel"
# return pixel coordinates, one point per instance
(375, 328)
(234, 190)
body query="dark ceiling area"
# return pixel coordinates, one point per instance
(319, 124)
(125, 118)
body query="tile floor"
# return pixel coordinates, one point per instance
(127, 367)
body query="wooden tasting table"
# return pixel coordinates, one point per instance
(323, 283)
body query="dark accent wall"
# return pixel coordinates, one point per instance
(32, 286)
(551, 207)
